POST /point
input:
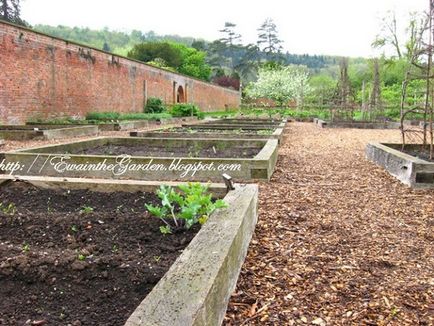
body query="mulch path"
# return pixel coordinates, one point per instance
(339, 241)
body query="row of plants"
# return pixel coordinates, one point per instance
(154, 109)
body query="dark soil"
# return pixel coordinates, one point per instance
(158, 151)
(63, 264)
(419, 153)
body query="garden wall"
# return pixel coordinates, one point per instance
(46, 77)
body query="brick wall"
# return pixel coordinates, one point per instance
(47, 77)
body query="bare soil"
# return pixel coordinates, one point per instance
(339, 241)
(78, 257)
(422, 154)
(160, 151)
(198, 131)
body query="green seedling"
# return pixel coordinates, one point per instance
(74, 228)
(9, 209)
(26, 247)
(189, 205)
(86, 210)
(165, 229)
(115, 248)
(157, 258)
(48, 204)
(81, 257)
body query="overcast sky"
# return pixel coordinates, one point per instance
(335, 27)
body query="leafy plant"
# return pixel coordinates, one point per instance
(184, 110)
(86, 210)
(9, 209)
(184, 208)
(154, 105)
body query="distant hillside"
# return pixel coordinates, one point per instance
(112, 41)
(121, 43)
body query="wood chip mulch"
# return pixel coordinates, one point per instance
(339, 241)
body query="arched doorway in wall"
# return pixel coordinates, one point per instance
(180, 95)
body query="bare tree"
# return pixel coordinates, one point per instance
(375, 105)
(389, 35)
(421, 69)
(343, 103)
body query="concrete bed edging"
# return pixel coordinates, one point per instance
(242, 122)
(356, 125)
(233, 126)
(410, 170)
(39, 161)
(52, 133)
(277, 134)
(218, 190)
(117, 126)
(197, 287)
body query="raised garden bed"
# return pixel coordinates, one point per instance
(233, 126)
(47, 132)
(184, 132)
(151, 159)
(119, 125)
(411, 167)
(60, 264)
(244, 122)
(356, 124)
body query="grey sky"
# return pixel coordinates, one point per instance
(336, 27)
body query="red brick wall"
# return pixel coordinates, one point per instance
(46, 77)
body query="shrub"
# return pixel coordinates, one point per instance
(102, 116)
(185, 110)
(154, 105)
(184, 208)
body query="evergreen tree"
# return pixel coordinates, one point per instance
(106, 47)
(268, 40)
(230, 37)
(10, 11)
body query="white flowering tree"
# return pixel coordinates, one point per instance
(281, 85)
